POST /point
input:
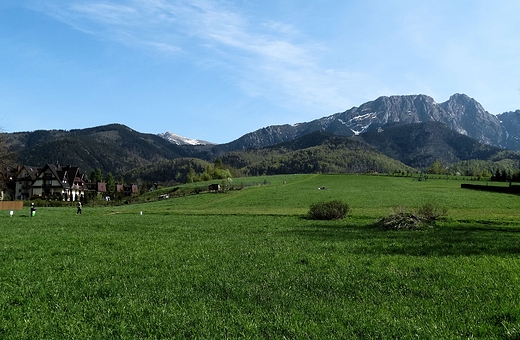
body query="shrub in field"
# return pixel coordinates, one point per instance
(331, 210)
(422, 218)
(430, 212)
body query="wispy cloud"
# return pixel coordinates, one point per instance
(264, 58)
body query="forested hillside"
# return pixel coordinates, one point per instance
(317, 152)
(112, 148)
(122, 151)
(179, 170)
(419, 145)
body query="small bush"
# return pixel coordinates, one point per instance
(430, 212)
(401, 219)
(331, 210)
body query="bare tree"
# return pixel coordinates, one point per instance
(7, 160)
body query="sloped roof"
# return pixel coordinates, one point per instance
(60, 175)
(31, 171)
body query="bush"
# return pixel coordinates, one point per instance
(401, 219)
(430, 212)
(332, 210)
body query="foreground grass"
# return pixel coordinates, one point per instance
(205, 267)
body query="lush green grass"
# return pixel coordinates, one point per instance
(370, 196)
(247, 264)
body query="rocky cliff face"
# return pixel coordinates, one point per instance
(469, 118)
(511, 123)
(460, 113)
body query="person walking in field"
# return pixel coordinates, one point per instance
(79, 208)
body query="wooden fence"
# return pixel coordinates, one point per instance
(11, 205)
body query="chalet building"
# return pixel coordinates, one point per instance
(128, 190)
(59, 181)
(22, 181)
(66, 183)
(98, 187)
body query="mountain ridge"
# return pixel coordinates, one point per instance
(117, 148)
(460, 113)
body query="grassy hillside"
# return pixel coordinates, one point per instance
(247, 264)
(369, 196)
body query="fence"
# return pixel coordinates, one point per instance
(11, 205)
(512, 189)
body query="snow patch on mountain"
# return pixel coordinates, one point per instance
(180, 140)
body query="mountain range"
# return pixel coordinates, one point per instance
(411, 129)
(460, 113)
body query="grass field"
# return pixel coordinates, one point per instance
(248, 264)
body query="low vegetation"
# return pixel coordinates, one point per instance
(330, 210)
(405, 219)
(247, 264)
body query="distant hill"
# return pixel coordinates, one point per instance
(419, 145)
(113, 148)
(317, 152)
(166, 171)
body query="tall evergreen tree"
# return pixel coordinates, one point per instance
(96, 175)
(111, 183)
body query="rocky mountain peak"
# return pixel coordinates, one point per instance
(460, 113)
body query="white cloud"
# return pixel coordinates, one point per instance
(263, 56)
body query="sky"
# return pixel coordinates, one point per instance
(217, 69)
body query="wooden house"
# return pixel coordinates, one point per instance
(53, 180)
(128, 190)
(22, 182)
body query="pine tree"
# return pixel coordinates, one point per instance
(111, 183)
(96, 175)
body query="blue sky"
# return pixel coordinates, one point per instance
(218, 69)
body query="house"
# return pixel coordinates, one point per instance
(66, 183)
(21, 182)
(53, 180)
(76, 190)
(98, 187)
(92, 189)
(128, 190)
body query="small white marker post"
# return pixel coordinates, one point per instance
(11, 213)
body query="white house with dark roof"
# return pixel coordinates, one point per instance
(55, 181)
(67, 183)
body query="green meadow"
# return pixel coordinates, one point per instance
(248, 264)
